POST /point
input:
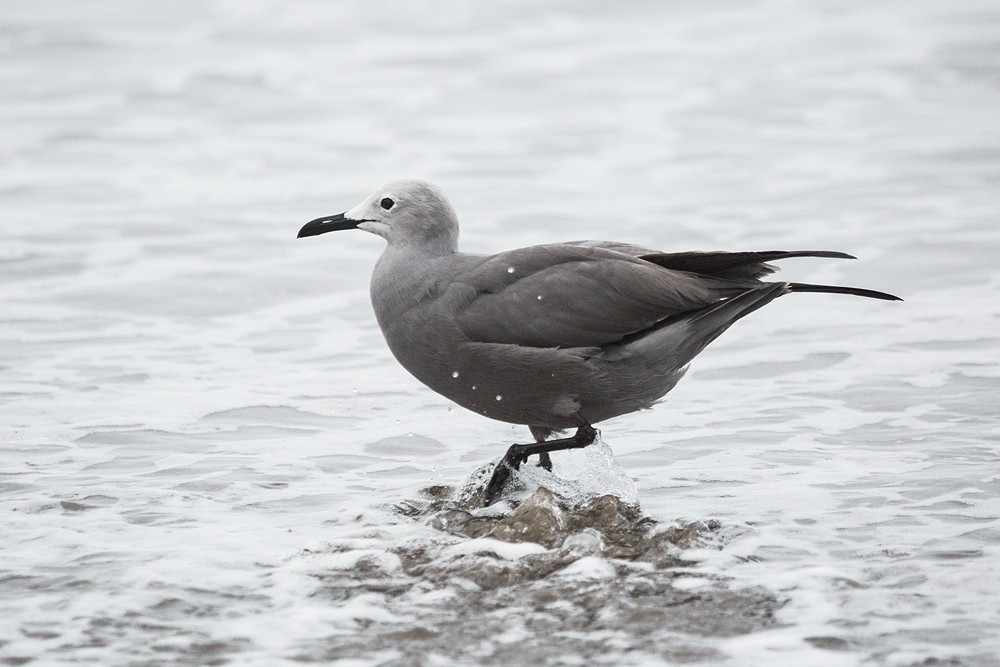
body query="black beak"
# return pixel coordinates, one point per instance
(331, 223)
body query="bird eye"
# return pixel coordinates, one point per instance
(387, 203)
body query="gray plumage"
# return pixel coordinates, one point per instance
(542, 335)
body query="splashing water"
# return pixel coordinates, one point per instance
(577, 477)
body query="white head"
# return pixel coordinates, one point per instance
(405, 213)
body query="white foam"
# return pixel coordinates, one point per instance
(486, 545)
(588, 567)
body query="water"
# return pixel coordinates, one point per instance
(210, 457)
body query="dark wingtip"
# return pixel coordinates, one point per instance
(830, 254)
(825, 254)
(836, 289)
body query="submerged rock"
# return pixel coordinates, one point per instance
(605, 525)
(539, 519)
(579, 575)
(579, 570)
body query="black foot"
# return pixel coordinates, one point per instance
(508, 464)
(518, 454)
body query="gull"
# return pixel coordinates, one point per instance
(556, 336)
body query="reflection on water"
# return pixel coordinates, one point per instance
(209, 456)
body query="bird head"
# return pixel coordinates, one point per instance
(405, 213)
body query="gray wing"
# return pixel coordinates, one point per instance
(568, 295)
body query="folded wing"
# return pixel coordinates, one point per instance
(578, 296)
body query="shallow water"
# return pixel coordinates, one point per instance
(209, 456)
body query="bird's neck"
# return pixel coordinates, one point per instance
(401, 275)
(438, 243)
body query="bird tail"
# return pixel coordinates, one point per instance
(720, 315)
(705, 325)
(835, 289)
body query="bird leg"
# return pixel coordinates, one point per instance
(540, 434)
(518, 454)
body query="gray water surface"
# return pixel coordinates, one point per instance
(210, 457)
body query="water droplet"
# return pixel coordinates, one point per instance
(499, 397)
(454, 374)
(510, 269)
